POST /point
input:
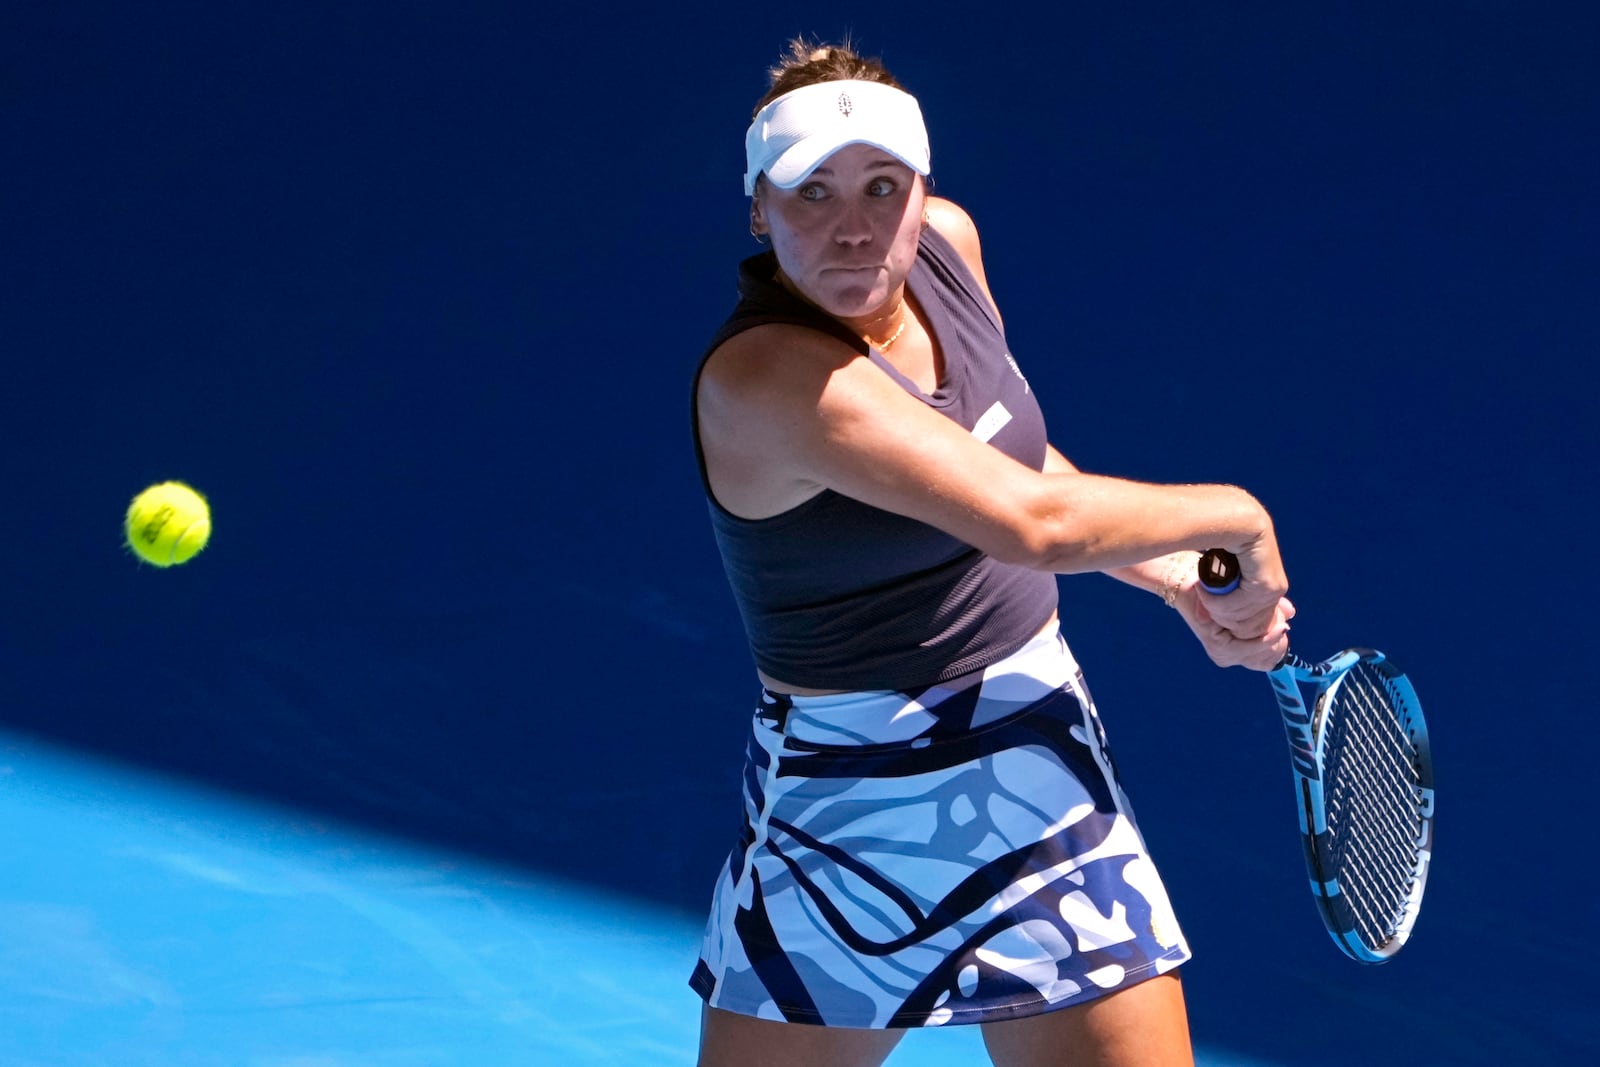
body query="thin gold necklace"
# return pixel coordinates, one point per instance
(883, 346)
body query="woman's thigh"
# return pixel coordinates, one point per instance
(1144, 1025)
(730, 1040)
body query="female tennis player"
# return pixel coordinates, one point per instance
(934, 830)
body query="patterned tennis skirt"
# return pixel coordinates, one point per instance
(962, 854)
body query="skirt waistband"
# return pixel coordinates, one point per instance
(1037, 670)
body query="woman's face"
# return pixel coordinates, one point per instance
(845, 237)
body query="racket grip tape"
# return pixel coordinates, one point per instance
(1219, 571)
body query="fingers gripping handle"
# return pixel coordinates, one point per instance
(1219, 571)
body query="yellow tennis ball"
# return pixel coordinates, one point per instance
(168, 523)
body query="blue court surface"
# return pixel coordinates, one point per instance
(145, 922)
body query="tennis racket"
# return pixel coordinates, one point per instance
(1364, 780)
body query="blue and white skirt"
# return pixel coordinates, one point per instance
(960, 854)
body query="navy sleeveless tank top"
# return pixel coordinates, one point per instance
(837, 594)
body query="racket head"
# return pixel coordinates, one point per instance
(1367, 819)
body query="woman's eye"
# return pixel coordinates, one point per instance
(811, 192)
(881, 187)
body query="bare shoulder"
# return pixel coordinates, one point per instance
(788, 385)
(771, 366)
(786, 412)
(956, 226)
(767, 399)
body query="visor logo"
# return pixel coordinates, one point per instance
(845, 106)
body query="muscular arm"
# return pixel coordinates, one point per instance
(1175, 574)
(1151, 575)
(786, 412)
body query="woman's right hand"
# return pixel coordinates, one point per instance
(1255, 608)
(1226, 648)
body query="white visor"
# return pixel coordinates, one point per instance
(792, 135)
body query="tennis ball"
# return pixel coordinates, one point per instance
(168, 523)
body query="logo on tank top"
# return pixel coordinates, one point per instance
(991, 422)
(1026, 388)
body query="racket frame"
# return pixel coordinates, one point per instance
(1305, 727)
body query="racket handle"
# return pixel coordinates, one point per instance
(1219, 571)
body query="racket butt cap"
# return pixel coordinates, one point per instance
(1219, 571)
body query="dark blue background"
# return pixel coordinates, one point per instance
(413, 293)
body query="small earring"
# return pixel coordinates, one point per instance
(761, 238)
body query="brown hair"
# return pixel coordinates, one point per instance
(808, 62)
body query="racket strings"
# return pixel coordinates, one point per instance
(1373, 803)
